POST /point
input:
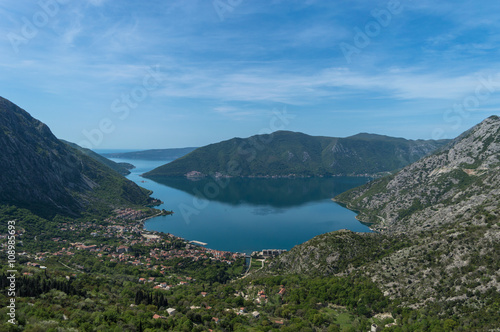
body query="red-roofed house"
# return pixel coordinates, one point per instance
(156, 316)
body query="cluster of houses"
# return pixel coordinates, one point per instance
(216, 320)
(18, 232)
(163, 285)
(107, 231)
(263, 298)
(126, 214)
(239, 311)
(152, 261)
(36, 265)
(131, 233)
(196, 253)
(268, 253)
(195, 175)
(115, 225)
(170, 312)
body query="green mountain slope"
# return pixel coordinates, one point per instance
(285, 153)
(40, 173)
(122, 168)
(459, 183)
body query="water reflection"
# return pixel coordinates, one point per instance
(276, 193)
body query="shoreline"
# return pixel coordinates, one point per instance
(163, 230)
(191, 242)
(202, 176)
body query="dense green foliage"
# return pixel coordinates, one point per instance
(336, 252)
(40, 284)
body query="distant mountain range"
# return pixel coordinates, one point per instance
(46, 176)
(155, 154)
(286, 153)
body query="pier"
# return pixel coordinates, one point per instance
(198, 242)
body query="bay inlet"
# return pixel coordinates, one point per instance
(246, 215)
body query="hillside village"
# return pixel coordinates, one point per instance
(114, 240)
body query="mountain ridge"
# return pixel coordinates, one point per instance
(286, 153)
(49, 177)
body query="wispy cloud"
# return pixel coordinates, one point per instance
(236, 113)
(265, 53)
(330, 84)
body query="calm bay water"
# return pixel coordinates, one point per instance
(245, 215)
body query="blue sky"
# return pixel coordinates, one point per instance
(174, 73)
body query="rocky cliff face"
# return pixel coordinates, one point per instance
(40, 173)
(440, 222)
(459, 183)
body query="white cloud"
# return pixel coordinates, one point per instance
(273, 85)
